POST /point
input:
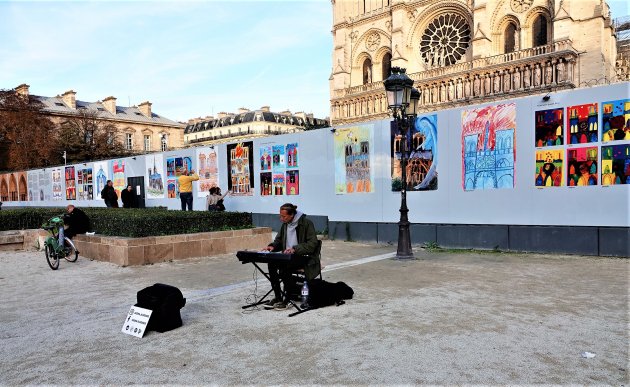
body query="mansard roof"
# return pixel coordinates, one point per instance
(56, 105)
(254, 116)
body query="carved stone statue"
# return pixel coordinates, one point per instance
(451, 91)
(477, 86)
(560, 68)
(537, 75)
(459, 89)
(497, 83)
(506, 81)
(442, 92)
(486, 84)
(517, 79)
(527, 77)
(467, 87)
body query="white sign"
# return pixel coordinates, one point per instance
(136, 321)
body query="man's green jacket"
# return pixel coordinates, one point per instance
(307, 245)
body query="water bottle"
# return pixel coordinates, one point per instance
(304, 296)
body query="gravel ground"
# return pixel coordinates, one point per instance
(444, 318)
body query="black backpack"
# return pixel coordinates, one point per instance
(322, 293)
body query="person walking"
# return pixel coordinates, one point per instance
(185, 189)
(109, 195)
(128, 197)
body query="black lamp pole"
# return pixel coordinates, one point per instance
(402, 99)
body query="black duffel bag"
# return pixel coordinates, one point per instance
(323, 293)
(165, 301)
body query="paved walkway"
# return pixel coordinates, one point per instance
(445, 318)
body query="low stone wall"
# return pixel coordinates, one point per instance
(125, 251)
(22, 239)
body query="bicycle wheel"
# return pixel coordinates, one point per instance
(51, 257)
(71, 251)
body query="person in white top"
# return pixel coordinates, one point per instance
(214, 201)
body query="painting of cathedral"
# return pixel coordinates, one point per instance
(208, 170)
(488, 147)
(549, 165)
(616, 120)
(616, 164)
(421, 168)
(582, 124)
(582, 166)
(353, 160)
(549, 127)
(240, 163)
(155, 180)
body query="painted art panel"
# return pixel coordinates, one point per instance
(421, 166)
(45, 185)
(101, 175)
(488, 147)
(85, 184)
(353, 160)
(292, 155)
(549, 127)
(171, 189)
(4, 187)
(71, 189)
(240, 168)
(616, 120)
(154, 165)
(22, 186)
(265, 158)
(118, 176)
(616, 164)
(266, 184)
(582, 166)
(278, 184)
(57, 187)
(175, 167)
(208, 170)
(278, 158)
(549, 164)
(582, 124)
(32, 180)
(293, 182)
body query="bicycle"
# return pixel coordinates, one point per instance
(53, 249)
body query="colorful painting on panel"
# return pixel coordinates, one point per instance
(488, 147)
(175, 167)
(353, 160)
(582, 124)
(155, 176)
(57, 188)
(278, 158)
(292, 155)
(616, 120)
(421, 163)
(549, 171)
(44, 185)
(171, 188)
(101, 173)
(84, 184)
(278, 183)
(549, 127)
(266, 184)
(22, 186)
(207, 170)
(118, 173)
(265, 158)
(32, 181)
(71, 189)
(582, 166)
(616, 164)
(240, 162)
(293, 182)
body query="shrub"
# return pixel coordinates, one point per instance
(134, 222)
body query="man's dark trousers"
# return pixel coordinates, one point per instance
(187, 200)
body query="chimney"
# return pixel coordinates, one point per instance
(110, 104)
(286, 112)
(145, 108)
(69, 99)
(22, 90)
(222, 115)
(302, 115)
(265, 109)
(242, 110)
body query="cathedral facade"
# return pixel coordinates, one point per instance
(461, 52)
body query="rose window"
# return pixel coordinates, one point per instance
(445, 40)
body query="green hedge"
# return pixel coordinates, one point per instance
(132, 222)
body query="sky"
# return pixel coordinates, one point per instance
(189, 59)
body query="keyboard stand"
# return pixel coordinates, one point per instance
(284, 295)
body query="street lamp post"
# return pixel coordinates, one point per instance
(402, 99)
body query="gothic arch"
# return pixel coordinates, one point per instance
(4, 189)
(360, 46)
(380, 54)
(530, 18)
(13, 189)
(499, 30)
(357, 68)
(22, 190)
(428, 16)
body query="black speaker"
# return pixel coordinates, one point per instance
(165, 301)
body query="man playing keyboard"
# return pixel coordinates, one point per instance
(297, 236)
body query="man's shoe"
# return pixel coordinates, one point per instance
(271, 303)
(281, 306)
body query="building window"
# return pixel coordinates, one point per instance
(367, 71)
(539, 31)
(129, 141)
(387, 65)
(164, 143)
(147, 142)
(445, 40)
(509, 44)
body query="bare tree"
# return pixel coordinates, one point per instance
(27, 135)
(85, 136)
